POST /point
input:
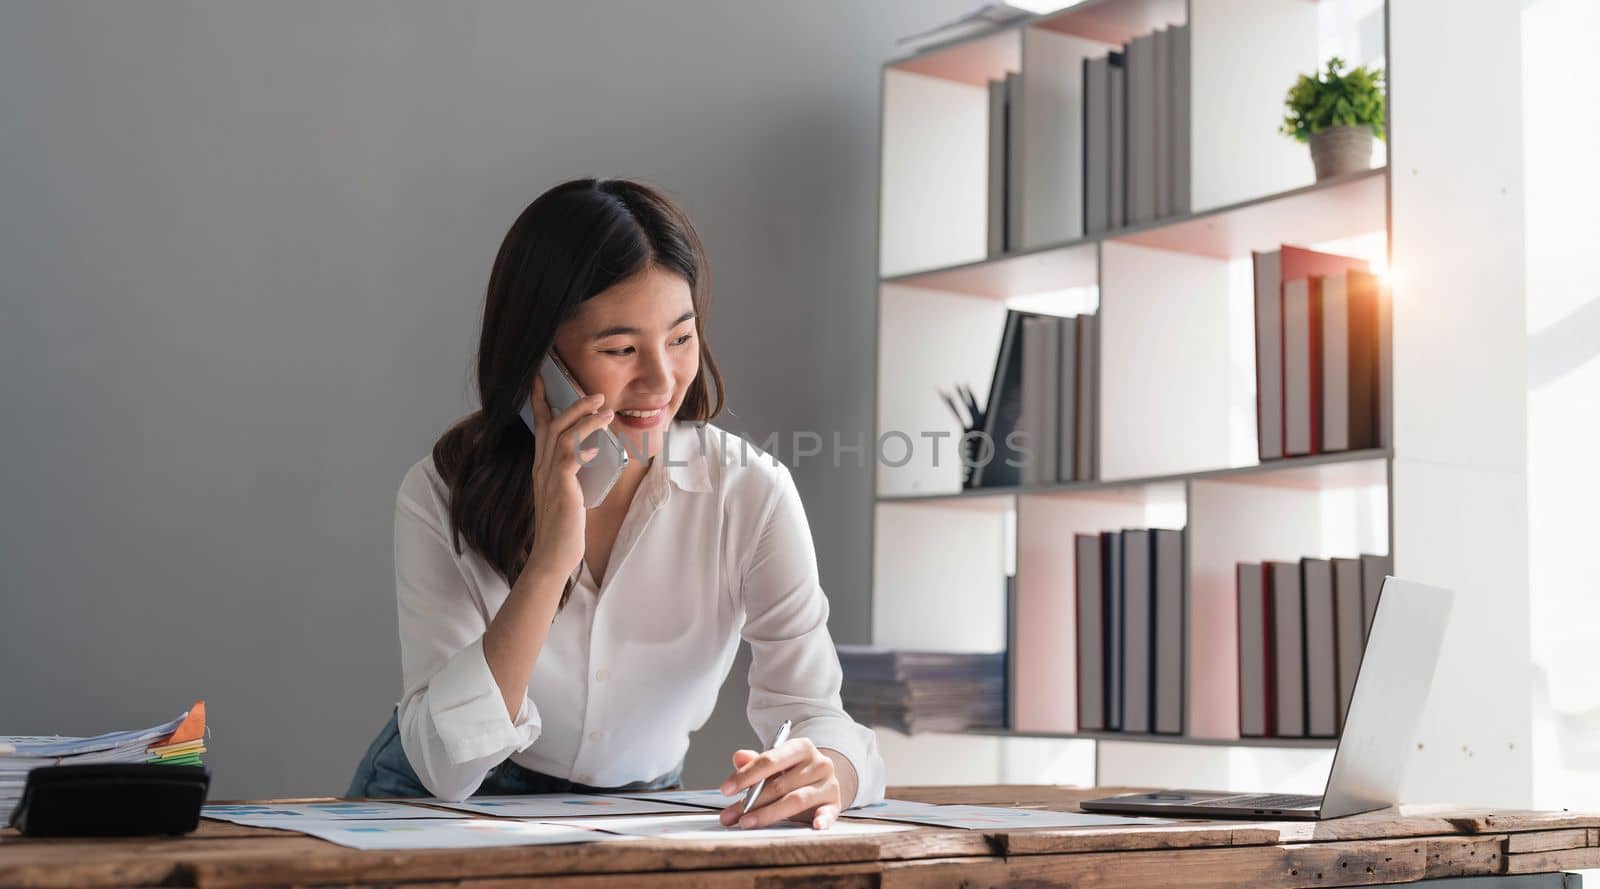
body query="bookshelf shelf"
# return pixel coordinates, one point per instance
(1333, 210)
(1320, 472)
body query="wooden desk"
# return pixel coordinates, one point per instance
(1405, 846)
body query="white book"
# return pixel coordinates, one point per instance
(1269, 353)
(1297, 367)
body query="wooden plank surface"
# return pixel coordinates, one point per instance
(1399, 845)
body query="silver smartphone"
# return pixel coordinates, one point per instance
(598, 475)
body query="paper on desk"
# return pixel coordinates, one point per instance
(446, 833)
(889, 809)
(997, 817)
(705, 799)
(563, 805)
(710, 827)
(274, 815)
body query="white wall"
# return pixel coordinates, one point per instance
(244, 250)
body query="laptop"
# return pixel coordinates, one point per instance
(1369, 762)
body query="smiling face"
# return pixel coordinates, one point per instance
(636, 344)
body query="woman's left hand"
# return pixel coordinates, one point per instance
(804, 783)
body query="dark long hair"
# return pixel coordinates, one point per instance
(573, 242)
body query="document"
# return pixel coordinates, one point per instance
(255, 814)
(444, 833)
(563, 805)
(705, 799)
(1000, 818)
(710, 827)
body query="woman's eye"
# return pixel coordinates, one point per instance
(683, 339)
(625, 350)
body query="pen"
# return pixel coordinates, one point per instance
(751, 794)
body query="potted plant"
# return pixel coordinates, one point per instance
(1338, 113)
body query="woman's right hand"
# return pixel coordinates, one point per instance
(558, 510)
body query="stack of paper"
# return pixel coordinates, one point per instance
(179, 742)
(921, 691)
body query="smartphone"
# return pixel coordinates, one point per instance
(597, 476)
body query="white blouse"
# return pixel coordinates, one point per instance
(715, 546)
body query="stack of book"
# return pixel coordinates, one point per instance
(1302, 629)
(1042, 405)
(1319, 342)
(1136, 132)
(1130, 592)
(923, 691)
(179, 742)
(1092, 137)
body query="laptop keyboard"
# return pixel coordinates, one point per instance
(1261, 801)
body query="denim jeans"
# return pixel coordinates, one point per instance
(385, 771)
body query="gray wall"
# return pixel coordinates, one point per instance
(242, 255)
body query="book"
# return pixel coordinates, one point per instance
(1373, 570)
(1269, 353)
(1170, 648)
(1288, 648)
(1141, 129)
(1350, 360)
(1348, 618)
(999, 104)
(1322, 666)
(1255, 652)
(1117, 131)
(1088, 433)
(1161, 116)
(1272, 269)
(1302, 340)
(1067, 399)
(1004, 409)
(1138, 630)
(1014, 187)
(1112, 576)
(1091, 632)
(1181, 104)
(1096, 145)
(1041, 395)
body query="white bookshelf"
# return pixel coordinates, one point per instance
(1177, 438)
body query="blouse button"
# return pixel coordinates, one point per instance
(602, 674)
(595, 736)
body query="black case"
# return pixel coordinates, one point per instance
(111, 800)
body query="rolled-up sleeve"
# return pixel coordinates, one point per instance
(794, 669)
(453, 721)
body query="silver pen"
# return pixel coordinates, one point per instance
(751, 794)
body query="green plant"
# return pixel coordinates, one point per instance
(1336, 98)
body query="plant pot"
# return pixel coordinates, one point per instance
(1339, 150)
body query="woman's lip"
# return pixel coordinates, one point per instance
(642, 422)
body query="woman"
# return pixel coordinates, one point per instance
(547, 647)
